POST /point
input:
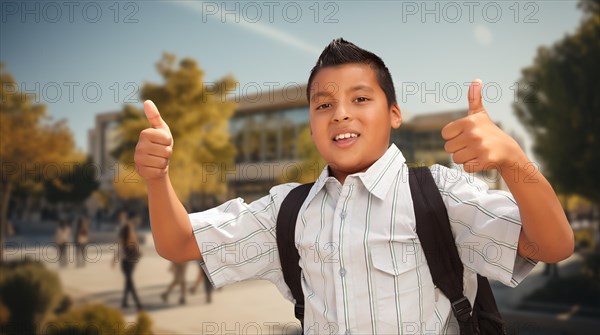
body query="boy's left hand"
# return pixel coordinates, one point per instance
(476, 142)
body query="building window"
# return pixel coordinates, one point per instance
(289, 137)
(268, 136)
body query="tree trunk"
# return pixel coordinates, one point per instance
(596, 217)
(5, 190)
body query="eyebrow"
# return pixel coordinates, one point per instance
(361, 88)
(351, 89)
(321, 94)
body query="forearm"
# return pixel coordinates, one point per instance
(546, 234)
(171, 229)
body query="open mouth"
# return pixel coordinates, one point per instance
(341, 137)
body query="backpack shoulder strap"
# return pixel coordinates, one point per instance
(437, 241)
(288, 253)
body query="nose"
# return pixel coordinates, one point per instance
(346, 118)
(341, 113)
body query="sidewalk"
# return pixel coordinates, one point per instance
(249, 307)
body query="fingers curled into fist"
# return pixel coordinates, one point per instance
(155, 145)
(476, 141)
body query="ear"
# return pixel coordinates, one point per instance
(395, 116)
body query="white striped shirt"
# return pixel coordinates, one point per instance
(362, 268)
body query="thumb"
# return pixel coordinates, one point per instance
(474, 95)
(153, 116)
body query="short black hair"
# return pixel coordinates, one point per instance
(340, 52)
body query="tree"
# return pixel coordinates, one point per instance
(311, 163)
(558, 101)
(75, 185)
(29, 143)
(198, 115)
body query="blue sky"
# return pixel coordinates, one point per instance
(85, 58)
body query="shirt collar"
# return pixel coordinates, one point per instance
(377, 179)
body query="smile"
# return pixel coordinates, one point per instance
(345, 136)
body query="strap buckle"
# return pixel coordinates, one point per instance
(462, 309)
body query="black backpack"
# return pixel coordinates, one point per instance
(435, 235)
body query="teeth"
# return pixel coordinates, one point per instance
(344, 136)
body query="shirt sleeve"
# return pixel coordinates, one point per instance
(238, 240)
(486, 225)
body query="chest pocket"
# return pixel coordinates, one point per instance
(396, 258)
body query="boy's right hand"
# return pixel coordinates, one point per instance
(155, 145)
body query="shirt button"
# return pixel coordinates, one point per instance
(342, 272)
(343, 215)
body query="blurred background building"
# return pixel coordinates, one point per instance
(102, 139)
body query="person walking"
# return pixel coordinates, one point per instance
(62, 237)
(178, 270)
(202, 278)
(82, 237)
(129, 255)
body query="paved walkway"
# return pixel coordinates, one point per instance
(254, 307)
(244, 308)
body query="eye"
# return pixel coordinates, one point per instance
(323, 106)
(361, 99)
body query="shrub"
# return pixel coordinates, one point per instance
(142, 326)
(64, 305)
(28, 292)
(97, 319)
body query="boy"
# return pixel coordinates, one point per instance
(362, 270)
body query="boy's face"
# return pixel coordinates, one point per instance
(349, 118)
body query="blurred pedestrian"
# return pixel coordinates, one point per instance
(62, 238)
(82, 237)
(178, 270)
(129, 254)
(202, 277)
(122, 217)
(10, 229)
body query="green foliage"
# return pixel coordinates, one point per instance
(198, 116)
(590, 7)
(143, 325)
(559, 104)
(27, 137)
(97, 319)
(584, 239)
(311, 163)
(64, 305)
(29, 142)
(29, 293)
(73, 186)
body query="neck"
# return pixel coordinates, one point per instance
(340, 176)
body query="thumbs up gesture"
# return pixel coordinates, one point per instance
(476, 142)
(155, 145)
